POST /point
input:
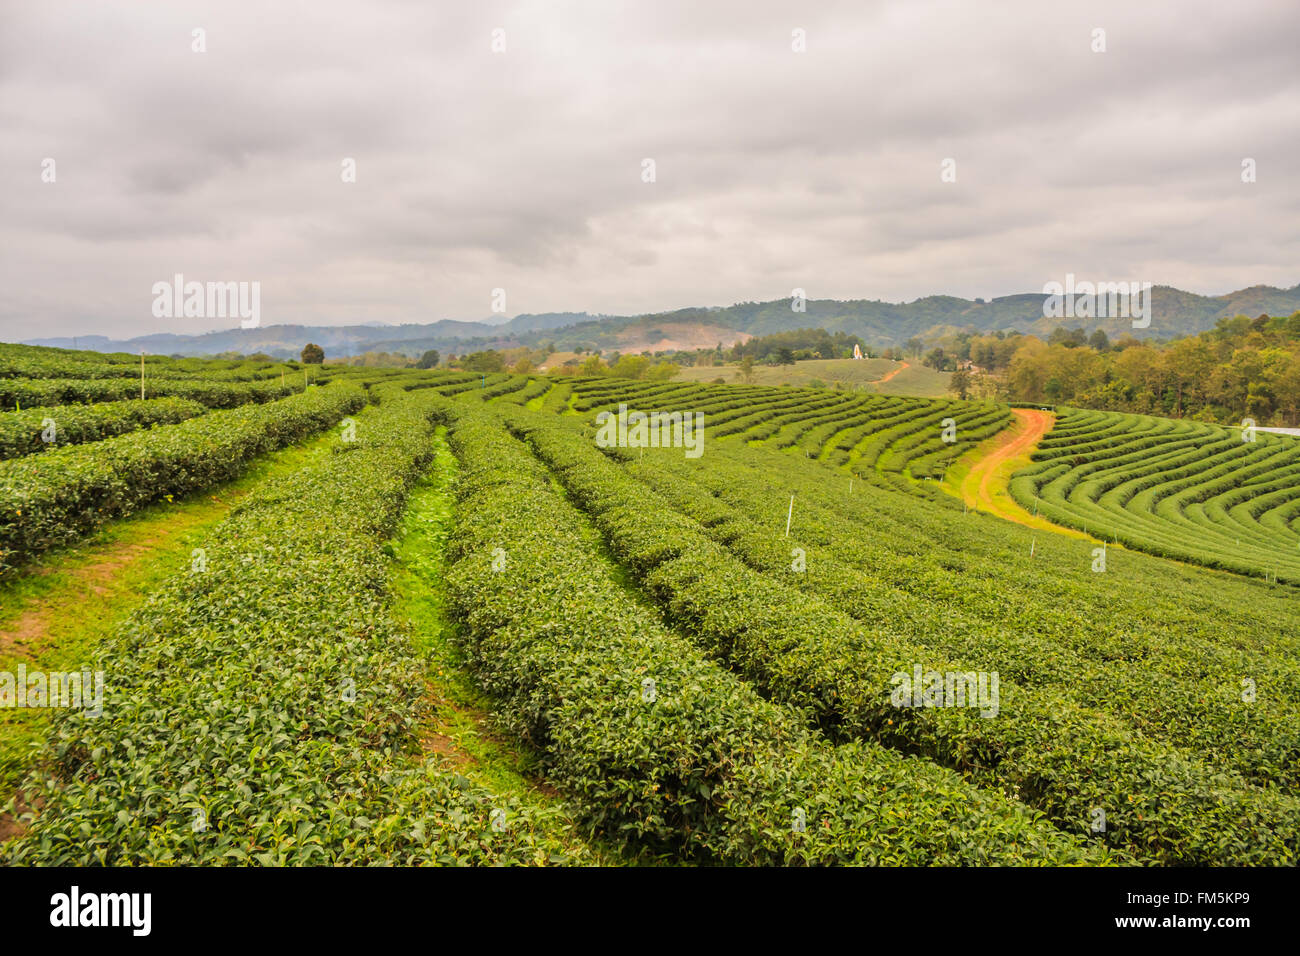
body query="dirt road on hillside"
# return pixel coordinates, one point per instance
(984, 486)
(882, 381)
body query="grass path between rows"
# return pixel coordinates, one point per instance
(982, 475)
(58, 609)
(460, 731)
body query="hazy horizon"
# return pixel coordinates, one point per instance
(497, 320)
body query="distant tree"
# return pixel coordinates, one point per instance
(373, 359)
(1070, 338)
(746, 371)
(523, 366)
(1100, 341)
(914, 346)
(960, 383)
(784, 356)
(489, 361)
(312, 354)
(630, 366)
(429, 359)
(935, 359)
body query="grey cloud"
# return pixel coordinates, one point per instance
(522, 170)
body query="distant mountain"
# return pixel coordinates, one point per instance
(281, 341)
(880, 324)
(550, 320)
(1174, 313)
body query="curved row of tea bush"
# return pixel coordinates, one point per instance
(927, 456)
(1061, 758)
(512, 385)
(819, 426)
(699, 764)
(782, 408)
(43, 429)
(556, 400)
(896, 441)
(1153, 616)
(607, 392)
(262, 709)
(964, 619)
(534, 388)
(922, 447)
(51, 499)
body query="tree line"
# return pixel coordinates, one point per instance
(1242, 368)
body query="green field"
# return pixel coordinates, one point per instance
(447, 622)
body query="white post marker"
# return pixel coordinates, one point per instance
(1032, 542)
(789, 514)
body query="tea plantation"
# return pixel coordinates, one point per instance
(749, 630)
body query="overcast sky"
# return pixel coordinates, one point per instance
(523, 169)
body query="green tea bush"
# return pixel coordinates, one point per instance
(1061, 758)
(705, 767)
(50, 499)
(22, 433)
(261, 709)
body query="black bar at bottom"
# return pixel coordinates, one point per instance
(334, 906)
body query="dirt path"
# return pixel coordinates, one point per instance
(882, 381)
(86, 589)
(981, 476)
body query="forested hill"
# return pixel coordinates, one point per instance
(879, 324)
